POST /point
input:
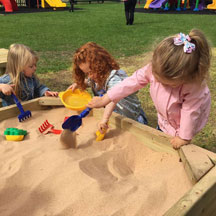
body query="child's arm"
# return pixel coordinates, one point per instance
(72, 86)
(103, 124)
(75, 86)
(98, 102)
(51, 93)
(42, 90)
(7, 89)
(128, 86)
(177, 142)
(139, 79)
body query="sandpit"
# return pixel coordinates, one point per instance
(118, 176)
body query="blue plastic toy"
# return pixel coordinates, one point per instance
(75, 121)
(24, 114)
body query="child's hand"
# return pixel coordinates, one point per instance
(73, 86)
(7, 89)
(98, 102)
(51, 93)
(177, 142)
(103, 126)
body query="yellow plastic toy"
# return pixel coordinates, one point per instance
(53, 4)
(14, 137)
(14, 134)
(75, 100)
(100, 136)
(148, 2)
(213, 5)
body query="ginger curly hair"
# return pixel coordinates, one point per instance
(100, 61)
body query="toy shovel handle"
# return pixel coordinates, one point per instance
(84, 113)
(55, 131)
(17, 103)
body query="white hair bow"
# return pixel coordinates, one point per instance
(184, 39)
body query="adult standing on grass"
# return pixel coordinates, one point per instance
(71, 9)
(129, 6)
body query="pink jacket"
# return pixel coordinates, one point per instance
(182, 111)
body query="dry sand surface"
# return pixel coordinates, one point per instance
(118, 176)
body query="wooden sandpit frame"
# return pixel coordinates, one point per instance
(199, 163)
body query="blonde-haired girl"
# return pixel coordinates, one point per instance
(177, 75)
(20, 77)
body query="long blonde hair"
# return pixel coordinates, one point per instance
(171, 64)
(19, 56)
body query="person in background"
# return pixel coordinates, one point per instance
(20, 78)
(177, 75)
(71, 9)
(129, 6)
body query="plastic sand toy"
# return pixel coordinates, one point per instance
(14, 134)
(46, 128)
(100, 136)
(75, 100)
(23, 114)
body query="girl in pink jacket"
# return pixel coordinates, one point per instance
(177, 75)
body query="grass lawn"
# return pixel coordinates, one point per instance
(56, 35)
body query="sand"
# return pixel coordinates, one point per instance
(118, 176)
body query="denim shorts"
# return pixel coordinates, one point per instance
(142, 118)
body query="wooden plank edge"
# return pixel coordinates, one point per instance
(196, 163)
(200, 200)
(3, 64)
(34, 104)
(187, 167)
(12, 110)
(211, 155)
(50, 101)
(152, 138)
